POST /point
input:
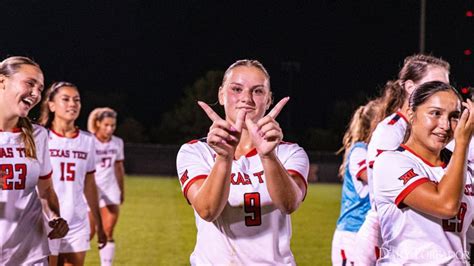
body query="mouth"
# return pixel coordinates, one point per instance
(247, 109)
(442, 137)
(28, 101)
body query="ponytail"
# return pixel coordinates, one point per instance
(26, 127)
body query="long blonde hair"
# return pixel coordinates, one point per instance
(98, 114)
(360, 129)
(9, 67)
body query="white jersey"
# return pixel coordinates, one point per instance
(23, 238)
(388, 135)
(72, 158)
(250, 229)
(410, 236)
(107, 154)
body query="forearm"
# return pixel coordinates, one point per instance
(90, 192)
(210, 199)
(49, 199)
(451, 186)
(119, 174)
(285, 193)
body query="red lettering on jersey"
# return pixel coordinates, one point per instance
(6, 153)
(407, 176)
(21, 152)
(240, 179)
(80, 155)
(468, 190)
(184, 177)
(259, 175)
(361, 163)
(59, 153)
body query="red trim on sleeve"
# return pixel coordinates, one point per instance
(90, 172)
(188, 185)
(48, 176)
(360, 172)
(371, 164)
(296, 173)
(409, 189)
(193, 141)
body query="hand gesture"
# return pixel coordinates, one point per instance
(60, 228)
(266, 134)
(223, 136)
(465, 126)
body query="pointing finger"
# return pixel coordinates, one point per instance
(210, 113)
(277, 109)
(240, 120)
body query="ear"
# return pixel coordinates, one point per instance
(409, 86)
(269, 101)
(221, 96)
(2, 81)
(52, 107)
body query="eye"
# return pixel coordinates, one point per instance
(236, 89)
(435, 113)
(259, 91)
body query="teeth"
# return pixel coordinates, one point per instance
(29, 101)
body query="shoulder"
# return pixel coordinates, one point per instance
(394, 158)
(196, 145)
(39, 132)
(117, 139)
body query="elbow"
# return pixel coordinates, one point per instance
(289, 208)
(207, 215)
(449, 210)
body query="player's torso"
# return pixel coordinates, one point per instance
(106, 155)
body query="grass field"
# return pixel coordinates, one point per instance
(156, 225)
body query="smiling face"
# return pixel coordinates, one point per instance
(21, 91)
(247, 88)
(66, 104)
(434, 121)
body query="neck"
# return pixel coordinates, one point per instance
(245, 145)
(102, 138)
(431, 156)
(404, 109)
(8, 123)
(65, 128)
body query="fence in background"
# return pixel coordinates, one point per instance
(156, 159)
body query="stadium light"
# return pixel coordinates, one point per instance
(469, 13)
(465, 90)
(467, 52)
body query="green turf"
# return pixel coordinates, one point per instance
(156, 225)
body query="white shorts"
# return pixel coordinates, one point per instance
(369, 240)
(69, 244)
(109, 195)
(343, 248)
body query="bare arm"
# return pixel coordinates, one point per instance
(286, 191)
(50, 203)
(90, 191)
(119, 174)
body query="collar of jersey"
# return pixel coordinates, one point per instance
(402, 116)
(421, 158)
(14, 130)
(76, 133)
(251, 153)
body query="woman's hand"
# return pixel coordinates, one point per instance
(465, 126)
(60, 228)
(266, 134)
(223, 136)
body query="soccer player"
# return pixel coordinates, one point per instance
(72, 154)
(25, 169)
(424, 206)
(355, 193)
(109, 175)
(243, 181)
(389, 134)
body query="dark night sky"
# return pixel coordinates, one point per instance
(152, 50)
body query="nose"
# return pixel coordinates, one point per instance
(444, 123)
(246, 96)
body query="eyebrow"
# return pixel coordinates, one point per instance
(256, 86)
